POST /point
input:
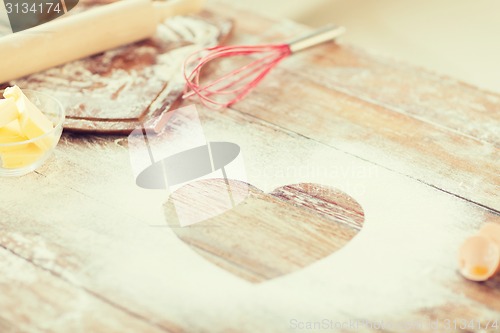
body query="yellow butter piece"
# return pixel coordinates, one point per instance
(8, 111)
(11, 133)
(21, 156)
(32, 121)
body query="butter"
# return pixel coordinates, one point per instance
(20, 121)
(21, 156)
(11, 133)
(32, 121)
(17, 156)
(8, 111)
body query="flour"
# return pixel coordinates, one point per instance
(123, 82)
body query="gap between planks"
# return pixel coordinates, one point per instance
(90, 293)
(292, 132)
(390, 108)
(280, 27)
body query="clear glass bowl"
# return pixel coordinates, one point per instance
(20, 158)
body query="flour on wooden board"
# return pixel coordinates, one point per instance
(404, 258)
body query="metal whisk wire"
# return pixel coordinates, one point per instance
(238, 83)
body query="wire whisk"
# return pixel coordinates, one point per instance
(232, 87)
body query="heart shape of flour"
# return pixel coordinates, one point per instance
(268, 234)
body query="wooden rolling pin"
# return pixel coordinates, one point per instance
(91, 32)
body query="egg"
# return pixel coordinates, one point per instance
(479, 255)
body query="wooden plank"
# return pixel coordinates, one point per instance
(448, 143)
(297, 225)
(108, 247)
(426, 96)
(434, 155)
(34, 300)
(376, 78)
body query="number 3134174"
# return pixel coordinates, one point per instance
(33, 8)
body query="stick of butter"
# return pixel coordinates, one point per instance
(32, 121)
(8, 111)
(17, 156)
(11, 133)
(20, 121)
(22, 156)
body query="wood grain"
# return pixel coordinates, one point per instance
(79, 229)
(314, 222)
(434, 155)
(378, 78)
(380, 110)
(118, 90)
(90, 246)
(32, 300)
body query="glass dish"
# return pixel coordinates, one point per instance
(20, 158)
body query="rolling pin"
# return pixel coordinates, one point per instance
(96, 30)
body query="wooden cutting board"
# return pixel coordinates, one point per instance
(116, 91)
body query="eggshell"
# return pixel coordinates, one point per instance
(492, 231)
(479, 258)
